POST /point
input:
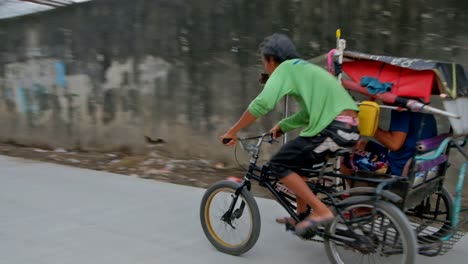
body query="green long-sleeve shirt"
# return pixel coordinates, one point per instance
(319, 94)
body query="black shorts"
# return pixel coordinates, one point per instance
(304, 152)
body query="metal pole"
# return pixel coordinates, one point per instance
(340, 47)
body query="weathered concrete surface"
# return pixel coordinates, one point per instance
(56, 214)
(102, 74)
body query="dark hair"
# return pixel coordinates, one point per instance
(278, 47)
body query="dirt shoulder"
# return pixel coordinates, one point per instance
(155, 164)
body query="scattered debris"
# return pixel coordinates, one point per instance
(169, 166)
(154, 154)
(148, 162)
(207, 162)
(40, 150)
(219, 165)
(60, 150)
(154, 141)
(156, 171)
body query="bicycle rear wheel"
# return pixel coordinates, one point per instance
(385, 237)
(433, 217)
(234, 234)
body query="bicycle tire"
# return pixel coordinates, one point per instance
(250, 211)
(430, 231)
(390, 214)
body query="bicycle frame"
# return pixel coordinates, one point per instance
(261, 175)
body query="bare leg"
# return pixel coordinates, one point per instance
(301, 203)
(301, 207)
(296, 184)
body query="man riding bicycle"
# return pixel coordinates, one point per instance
(328, 116)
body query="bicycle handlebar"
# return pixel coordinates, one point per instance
(262, 136)
(255, 149)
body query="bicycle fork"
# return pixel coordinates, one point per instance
(230, 214)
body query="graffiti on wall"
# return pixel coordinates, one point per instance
(32, 87)
(130, 84)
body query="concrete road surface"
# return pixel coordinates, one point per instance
(56, 214)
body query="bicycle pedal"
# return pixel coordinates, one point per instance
(289, 227)
(309, 235)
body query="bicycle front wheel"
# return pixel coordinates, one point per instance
(233, 233)
(361, 237)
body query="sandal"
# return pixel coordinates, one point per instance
(287, 220)
(312, 226)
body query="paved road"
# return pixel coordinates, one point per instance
(57, 214)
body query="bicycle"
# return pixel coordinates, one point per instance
(382, 231)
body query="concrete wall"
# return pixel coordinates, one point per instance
(103, 74)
